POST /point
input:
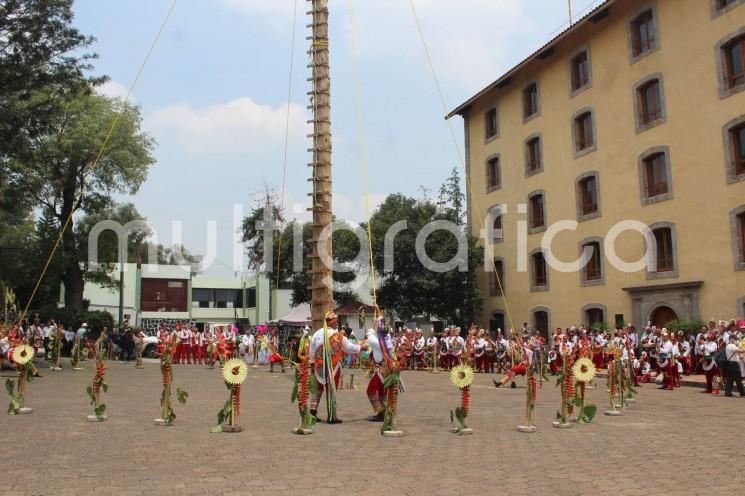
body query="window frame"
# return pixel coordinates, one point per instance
(717, 9)
(534, 286)
(538, 139)
(537, 110)
(584, 280)
(492, 219)
(635, 54)
(490, 137)
(737, 144)
(532, 228)
(494, 288)
(590, 307)
(732, 172)
(587, 84)
(644, 186)
(588, 112)
(737, 228)
(580, 195)
(494, 157)
(724, 63)
(671, 272)
(640, 110)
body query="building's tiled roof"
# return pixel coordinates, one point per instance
(603, 5)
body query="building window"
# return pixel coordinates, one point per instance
(720, 7)
(734, 58)
(651, 102)
(741, 227)
(595, 317)
(588, 195)
(722, 4)
(593, 269)
(654, 175)
(530, 101)
(584, 131)
(495, 217)
(663, 237)
(200, 298)
(537, 212)
(737, 219)
(163, 295)
(493, 175)
(737, 143)
(734, 139)
(217, 298)
(580, 65)
(643, 33)
(251, 298)
(540, 323)
(655, 170)
(497, 285)
(587, 190)
(491, 123)
(539, 271)
(533, 157)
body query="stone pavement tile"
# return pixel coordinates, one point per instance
(136, 457)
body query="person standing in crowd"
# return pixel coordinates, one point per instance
(735, 356)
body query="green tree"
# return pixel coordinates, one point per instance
(43, 59)
(61, 172)
(41, 53)
(410, 288)
(345, 246)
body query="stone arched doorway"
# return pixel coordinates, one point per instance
(662, 315)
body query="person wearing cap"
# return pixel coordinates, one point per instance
(384, 364)
(432, 348)
(734, 355)
(642, 369)
(665, 361)
(444, 349)
(684, 349)
(457, 347)
(325, 371)
(526, 360)
(708, 364)
(419, 350)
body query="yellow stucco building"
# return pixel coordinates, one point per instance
(629, 128)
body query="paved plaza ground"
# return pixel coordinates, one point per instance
(681, 442)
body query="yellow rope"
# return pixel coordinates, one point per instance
(96, 161)
(361, 138)
(460, 158)
(287, 135)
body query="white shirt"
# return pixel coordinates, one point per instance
(459, 343)
(709, 348)
(316, 343)
(374, 342)
(478, 347)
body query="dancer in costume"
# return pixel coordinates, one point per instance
(383, 364)
(419, 352)
(327, 347)
(525, 361)
(274, 355)
(457, 347)
(665, 360)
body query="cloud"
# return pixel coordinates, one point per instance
(470, 41)
(113, 89)
(237, 127)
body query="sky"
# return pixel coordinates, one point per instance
(214, 95)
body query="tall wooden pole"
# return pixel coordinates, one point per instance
(320, 104)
